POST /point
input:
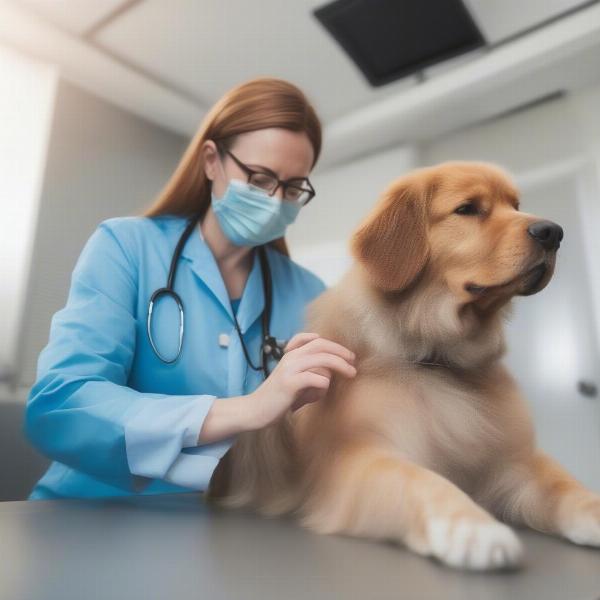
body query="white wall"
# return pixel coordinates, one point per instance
(102, 162)
(27, 90)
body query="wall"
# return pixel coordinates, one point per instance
(102, 162)
(27, 91)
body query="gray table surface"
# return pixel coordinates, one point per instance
(175, 546)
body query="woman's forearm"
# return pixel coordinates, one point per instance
(228, 416)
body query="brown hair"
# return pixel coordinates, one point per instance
(258, 103)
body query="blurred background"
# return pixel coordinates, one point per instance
(99, 98)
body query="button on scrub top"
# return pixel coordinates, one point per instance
(115, 419)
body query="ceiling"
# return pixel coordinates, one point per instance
(170, 61)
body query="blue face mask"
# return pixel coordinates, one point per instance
(248, 216)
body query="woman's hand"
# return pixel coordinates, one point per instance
(302, 375)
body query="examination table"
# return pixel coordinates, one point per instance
(176, 547)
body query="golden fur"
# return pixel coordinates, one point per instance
(431, 442)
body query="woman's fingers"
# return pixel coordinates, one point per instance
(314, 359)
(329, 346)
(299, 340)
(310, 379)
(319, 344)
(323, 359)
(302, 375)
(322, 371)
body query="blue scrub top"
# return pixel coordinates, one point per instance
(115, 419)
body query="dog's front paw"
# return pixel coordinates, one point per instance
(474, 544)
(582, 522)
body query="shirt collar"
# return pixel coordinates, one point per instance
(204, 265)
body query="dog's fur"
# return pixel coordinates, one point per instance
(431, 437)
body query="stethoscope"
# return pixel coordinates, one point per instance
(269, 345)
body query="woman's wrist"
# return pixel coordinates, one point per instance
(254, 416)
(250, 413)
(229, 416)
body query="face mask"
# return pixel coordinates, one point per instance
(249, 216)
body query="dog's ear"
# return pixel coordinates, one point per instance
(392, 241)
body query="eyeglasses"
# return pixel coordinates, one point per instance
(297, 190)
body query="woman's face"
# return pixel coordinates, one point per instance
(288, 153)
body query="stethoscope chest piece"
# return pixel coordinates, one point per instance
(155, 295)
(272, 348)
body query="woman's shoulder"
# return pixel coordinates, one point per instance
(139, 224)
(288, 270)
(135, 232)
(119, 244)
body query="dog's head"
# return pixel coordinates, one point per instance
(457, 223)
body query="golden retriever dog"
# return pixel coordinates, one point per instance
(430, 444)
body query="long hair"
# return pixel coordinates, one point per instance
(258, 103)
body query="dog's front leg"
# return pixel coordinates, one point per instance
(539, 493)
(367, 491)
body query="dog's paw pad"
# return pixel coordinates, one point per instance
(474, 544)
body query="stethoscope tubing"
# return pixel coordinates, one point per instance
(269, 345)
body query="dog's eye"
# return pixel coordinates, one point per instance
(470, 208)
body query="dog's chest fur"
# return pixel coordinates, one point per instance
(458, 428)
(460, 425)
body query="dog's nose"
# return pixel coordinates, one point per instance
(547, 233)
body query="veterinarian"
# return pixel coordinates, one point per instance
(142, 389)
